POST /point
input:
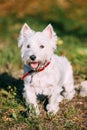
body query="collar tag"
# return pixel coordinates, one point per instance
(27, 68)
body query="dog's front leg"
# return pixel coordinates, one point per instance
(30, 97)
(53, 105)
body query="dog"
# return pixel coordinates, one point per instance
(45, 73)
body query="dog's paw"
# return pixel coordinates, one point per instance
(52, 109)
(50, 115)
(69, 95)
(31, 109)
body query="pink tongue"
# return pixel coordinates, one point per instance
(34, 65)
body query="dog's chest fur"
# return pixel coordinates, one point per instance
(45, 81)
(40, 83)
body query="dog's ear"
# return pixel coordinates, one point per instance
(25, 31)
(49, 32)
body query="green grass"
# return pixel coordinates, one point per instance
(12, 108)
(76, 51)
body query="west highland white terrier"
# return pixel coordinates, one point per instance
(45, 73)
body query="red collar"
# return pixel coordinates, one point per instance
(39, 70)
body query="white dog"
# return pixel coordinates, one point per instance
(44, 72)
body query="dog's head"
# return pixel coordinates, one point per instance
(37, 47)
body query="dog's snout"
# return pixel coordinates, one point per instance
(33, 57)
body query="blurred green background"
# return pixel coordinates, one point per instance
(68, 17)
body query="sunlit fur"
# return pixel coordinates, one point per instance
(55, 79)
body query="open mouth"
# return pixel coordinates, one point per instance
(34, 65)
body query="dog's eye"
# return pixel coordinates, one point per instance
(41, 46)
(28, 46)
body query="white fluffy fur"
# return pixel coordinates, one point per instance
(58, 75)
(82, 88)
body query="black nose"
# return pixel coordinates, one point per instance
(32, 57)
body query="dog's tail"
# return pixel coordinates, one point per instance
(81, 89)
